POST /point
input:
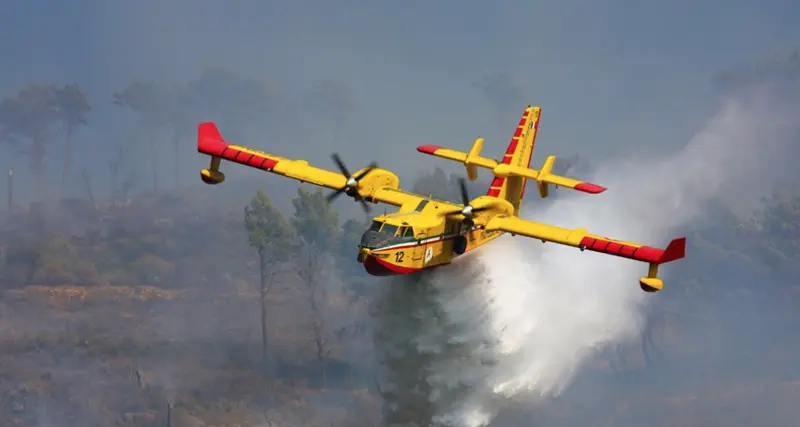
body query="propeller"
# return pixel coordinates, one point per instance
(351, 186)
(467, 210)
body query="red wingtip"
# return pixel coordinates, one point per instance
(587, 187)
(428, 149)
(209, 139)
(675, 250)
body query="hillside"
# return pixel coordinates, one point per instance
(135, 315)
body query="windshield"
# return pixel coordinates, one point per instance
(376, 225)
(389, 229)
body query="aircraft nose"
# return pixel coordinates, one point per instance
(363, 253)
(371, 239)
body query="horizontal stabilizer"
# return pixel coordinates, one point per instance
(543, 177)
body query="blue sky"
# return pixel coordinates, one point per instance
(611, 76)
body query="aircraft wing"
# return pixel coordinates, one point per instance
(562, 181)
(211, 143)
(395, 196)
(580, 238)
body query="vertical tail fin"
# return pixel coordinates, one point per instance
(519, 153)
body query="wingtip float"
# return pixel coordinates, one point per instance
(426, 233)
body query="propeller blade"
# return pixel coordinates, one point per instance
(372, 166)
(346, 172)
(331, 196)
(464, 196)
(364, 205)
(340, 164)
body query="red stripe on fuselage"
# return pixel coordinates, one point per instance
(378, 267)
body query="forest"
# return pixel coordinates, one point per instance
(152, 304)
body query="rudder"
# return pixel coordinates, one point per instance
(519, 153)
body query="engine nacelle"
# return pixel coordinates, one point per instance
(212, 177)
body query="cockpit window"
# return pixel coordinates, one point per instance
(389, 229)
(376, 226)
(409, 232)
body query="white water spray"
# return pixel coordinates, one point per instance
(519, 318)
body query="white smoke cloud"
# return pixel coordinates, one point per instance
(518, 318)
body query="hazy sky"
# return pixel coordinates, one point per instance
(611, 76)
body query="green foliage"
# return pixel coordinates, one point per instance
(58, 262)
(28, 122)
(72, 107)
(20, 262)
(73, 110)
(347, 248)
(351, 235)
(150, 270)
(29, 115)
(153, 103)
(148, 99)
(268, 231)
(316, 223)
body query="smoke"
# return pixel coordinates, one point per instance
(517, 319)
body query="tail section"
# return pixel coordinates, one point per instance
(518, 154)
(513, 171)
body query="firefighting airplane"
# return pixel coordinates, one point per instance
(424, 232)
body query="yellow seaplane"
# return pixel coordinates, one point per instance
(425, 233)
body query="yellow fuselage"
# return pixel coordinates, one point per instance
(411, 242)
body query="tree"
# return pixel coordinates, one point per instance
(181, 117)
(73, 109)
(347, 245)
(311, 269)
(359, 283)
(271, 235)
(316, 223)
(152, 103)
(351, 235)
(27, 122)
(318, 227)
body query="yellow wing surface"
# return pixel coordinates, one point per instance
(580, 238)
(379, 186)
